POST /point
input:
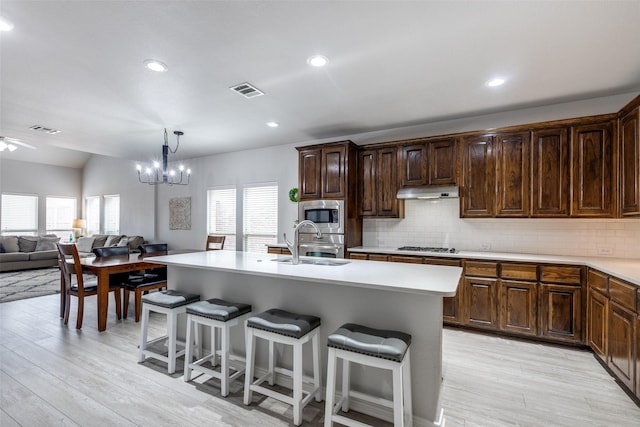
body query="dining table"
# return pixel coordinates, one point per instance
(102, 268)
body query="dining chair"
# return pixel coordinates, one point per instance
(111, 251)
(215, 243)
(152, 279)
(81, 288)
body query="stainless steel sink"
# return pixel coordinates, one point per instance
(318, 261)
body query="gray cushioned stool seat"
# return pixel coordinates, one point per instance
(218, 309)
(284, 323)
(391, 345)
(170, 298)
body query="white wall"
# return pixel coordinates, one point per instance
(44, 180)
(277, 164)
(108, 175)
(436, 223)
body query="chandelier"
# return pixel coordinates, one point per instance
(164, 175)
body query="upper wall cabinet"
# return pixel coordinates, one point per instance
(378, 183)
(550, 173)
(478, 177)
(592, 166)
(323, 170)
(429, 163)
(629, 131)
(513, 171)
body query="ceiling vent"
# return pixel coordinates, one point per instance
(247, 90)
(44, 129)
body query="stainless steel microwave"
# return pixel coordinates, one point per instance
(327, 214)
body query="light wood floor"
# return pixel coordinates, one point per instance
(53, 375)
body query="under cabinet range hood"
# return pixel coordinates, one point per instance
(428, 193)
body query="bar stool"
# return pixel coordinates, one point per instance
(219, 315)
(171, 303)
(279, 326)
(373, 347)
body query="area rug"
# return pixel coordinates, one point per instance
(16, 285)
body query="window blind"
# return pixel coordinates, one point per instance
(260, 217)
(19, 214)
(92, 214)
(112, 214)
(221, 214)
(60, 213)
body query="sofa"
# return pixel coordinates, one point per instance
(28, 252)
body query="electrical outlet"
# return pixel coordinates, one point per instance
(485, 246)
(605, 250)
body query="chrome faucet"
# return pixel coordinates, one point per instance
(293, 247)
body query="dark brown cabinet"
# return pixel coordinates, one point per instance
(481, 302)
(597, 309)
(592, 167)
(478, 177)
(550, 173)
(621, 345)
(432, 162)
(630, 162)
(414, 165)
(637, 389)
(378, 183)
(513, 170)
(322, 170)
(560, 313)
(518, 307)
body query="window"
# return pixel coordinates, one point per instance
(112, 214)
(221, 214)
(19, 214)
(92, 215)
(61, 211)
(260, 217)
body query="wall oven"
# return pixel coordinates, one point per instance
(327, 214)
(328, 246)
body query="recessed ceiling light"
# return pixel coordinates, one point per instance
(154, 65)
(494, 82)
(5, 24)
(273, 124)
(317, 61)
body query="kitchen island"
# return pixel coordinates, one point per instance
(403, 297)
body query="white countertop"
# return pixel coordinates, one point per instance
(410, 278)
(625, 269)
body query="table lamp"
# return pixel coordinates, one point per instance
(78, 224)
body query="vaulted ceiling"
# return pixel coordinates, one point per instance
(77, 66)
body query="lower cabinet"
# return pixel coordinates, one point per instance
(621, 343)
(518, 307)
(481, 297)
(277, 250)
(637, 389)
(560, 312)
(597, 308)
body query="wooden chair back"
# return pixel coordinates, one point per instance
(215, 243)
(70, 250)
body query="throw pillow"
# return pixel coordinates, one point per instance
(47, 243)
(135, 242)
(112, 240)
(101, 240)
(84, 244)
(123, 241)
(27, 243)
(10, 243)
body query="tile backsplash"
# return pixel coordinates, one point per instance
(436, 223)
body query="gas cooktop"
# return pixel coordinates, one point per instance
(428, 249)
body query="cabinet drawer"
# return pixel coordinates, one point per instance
(409, 259)
(623, 293)
(442, 261)
(554, 274)
(598, 281)
(481, 269)
(519, 271)
(378, 257)
(354, 255)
